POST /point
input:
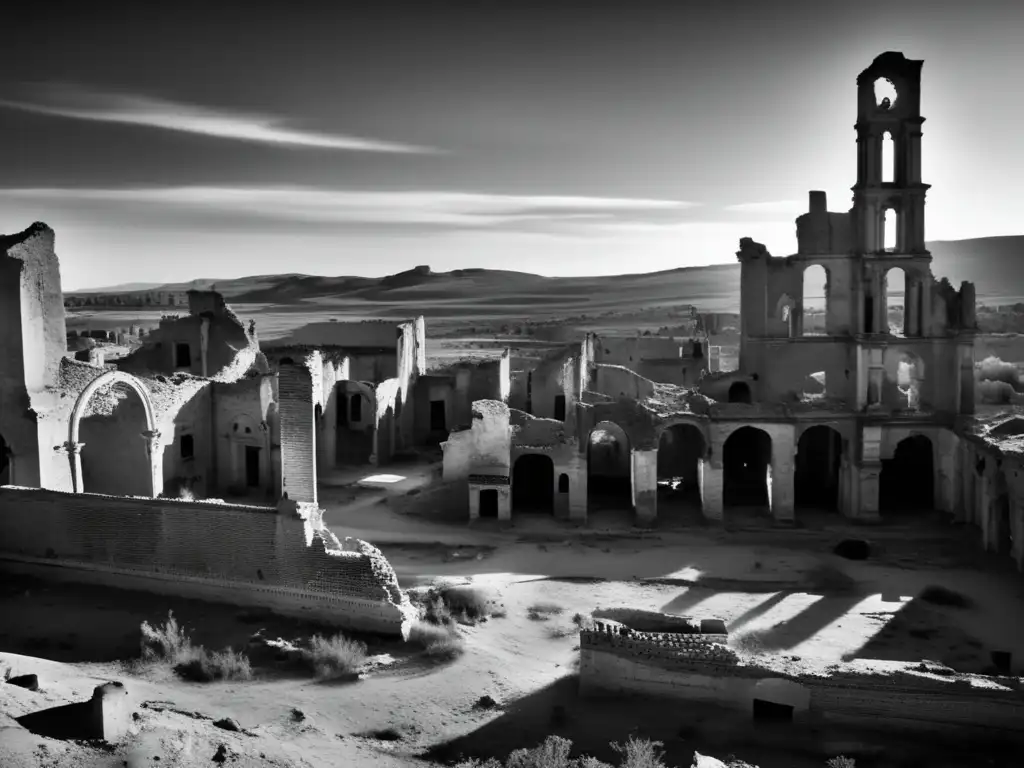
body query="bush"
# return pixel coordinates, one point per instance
(543, 611)
(841, 762)
(333, 657)
(169, 643)
(994, 369)
(206, 666)
(441, 642)
(554, 751)
(449, 605)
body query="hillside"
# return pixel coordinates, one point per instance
(992, 263)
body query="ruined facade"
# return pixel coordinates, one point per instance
(850, 407)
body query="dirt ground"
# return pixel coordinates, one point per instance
(782, 592)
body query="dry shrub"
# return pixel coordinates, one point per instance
(841, 762)
(333, 657)
(450, 605)
(543, 611)
(751, 642)
(937, 595)
(554, 751)
(206, 666)
(170, 644)
(441, 642)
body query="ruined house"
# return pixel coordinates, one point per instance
(845, 408)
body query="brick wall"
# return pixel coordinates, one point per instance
(298, 441)
(227, 552)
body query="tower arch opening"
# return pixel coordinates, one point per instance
(533, 483)
(895, 282)
(816, 477)
(814, 313)
(112, 428)
(907, 481)
(885, 94)
(888, 158)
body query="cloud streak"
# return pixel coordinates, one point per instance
(307, 204)
(772, 206)
(128, 109)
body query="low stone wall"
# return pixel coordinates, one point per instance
(287, 561)
(617, 660)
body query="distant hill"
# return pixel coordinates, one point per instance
(994, 264)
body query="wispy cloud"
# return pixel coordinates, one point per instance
(100, 106)
(306, 204)
(772, 206)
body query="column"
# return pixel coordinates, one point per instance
(868, 475)
(155, 451)
(710, 478)
(474, 501)
(645, 484)
(911, 317)
(577, 470)
(74, 453)
(781, 488)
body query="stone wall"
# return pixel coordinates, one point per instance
(238, 554)
(298, 440)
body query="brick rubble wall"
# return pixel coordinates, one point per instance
(239, 553)
(298, 441)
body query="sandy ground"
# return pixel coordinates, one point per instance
(766, 583)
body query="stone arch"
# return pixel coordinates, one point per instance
(145, 479)
(907, 480)
(739, 392)
(816, 480)
(894, 287)
(746, 468)
(609, 465)
(682, 446)
(533, 483)
(814, 299)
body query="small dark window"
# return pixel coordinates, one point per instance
(355, 408)
(437, 415)
(771, 712)
(563, 483)
(559, 408)
(187, 447)
(182, 356)
(739, 393)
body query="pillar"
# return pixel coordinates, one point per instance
(74, 453)
(911, 305)
(710, 477)
(781, 488)
(867, 479)
(298, 439)
(577, 470)
(644, 471)
(155, 452)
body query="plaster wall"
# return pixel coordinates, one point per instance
(250, 555)
(240, 425)
(618, 382)
(783, 368)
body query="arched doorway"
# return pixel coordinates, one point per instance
(814, 305)
(816, 478)
(355, 422)
(907, 482)
(111, 426)
(680, 449)
(746, 459)
(739, 392)
(895, 301)
(609, 468)
(533, 484)
(5, 462)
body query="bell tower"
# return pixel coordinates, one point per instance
(889, 110)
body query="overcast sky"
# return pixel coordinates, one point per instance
(215, 140)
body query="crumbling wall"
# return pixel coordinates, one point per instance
(236, 554)
(298, 437)
(240, 424)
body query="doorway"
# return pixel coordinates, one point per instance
(252, 466)
(489, 502)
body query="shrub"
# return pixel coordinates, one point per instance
(841, 762)
(166, 642)
(206, 666)
(169, 643)
(333, 657)
(441, 642)
(751, 642)
(543, 611)
(554, 751)
(467, 603)
(937, 595)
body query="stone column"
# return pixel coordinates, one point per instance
(925, 325)
(710, 478)
(155, 452)
(645, 484)
(911, 290)
(74, 453)
(781, 488)
(577, 470)
(298, 439)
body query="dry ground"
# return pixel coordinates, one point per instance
(796, 604)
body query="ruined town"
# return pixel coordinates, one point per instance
(189, 462)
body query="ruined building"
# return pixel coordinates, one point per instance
(849, 411)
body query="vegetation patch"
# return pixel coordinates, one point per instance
(169, 644)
